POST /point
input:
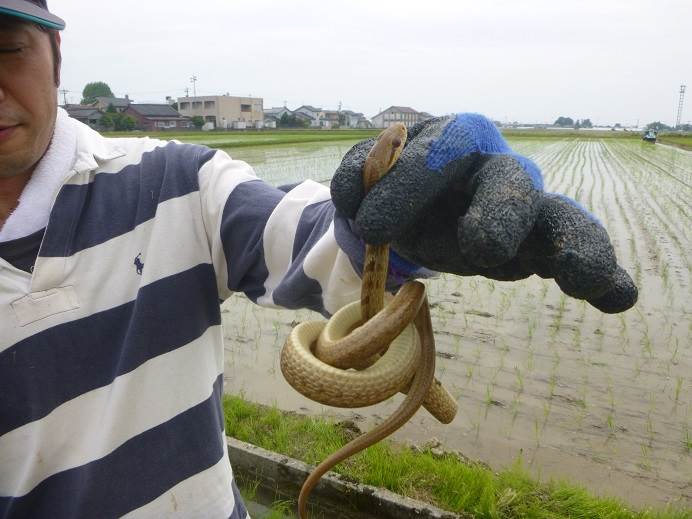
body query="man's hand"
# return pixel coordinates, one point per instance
(460, 201)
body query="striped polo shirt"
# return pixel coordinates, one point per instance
(111, 348)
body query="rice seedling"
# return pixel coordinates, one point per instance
(565, 361)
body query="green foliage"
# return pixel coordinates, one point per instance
(198, 121)
(443, 480)
(564, 121)
(658, 126)
(93, 90)
(118, 122)
(680, 140)
(291, 121)
(244, 138)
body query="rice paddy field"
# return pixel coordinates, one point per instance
(601, 400)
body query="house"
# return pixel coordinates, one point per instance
(398, 114)
(224, 111)
(330, 119)
(276, 112)
(311, 120)
(157, 117)
(273, 115)
(85, 114)
(314, 115)
(355, 119)
(120, 104)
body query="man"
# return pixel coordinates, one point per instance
(114, 254)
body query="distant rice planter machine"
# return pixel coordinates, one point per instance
(649, 136)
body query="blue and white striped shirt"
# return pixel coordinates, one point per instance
(111, 350)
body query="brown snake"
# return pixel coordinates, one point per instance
(379, 341)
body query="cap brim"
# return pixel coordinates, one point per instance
(31, 13)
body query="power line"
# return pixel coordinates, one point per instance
(64, 93)
(193, 80)
(680, 103)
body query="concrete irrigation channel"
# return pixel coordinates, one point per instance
(280, 477)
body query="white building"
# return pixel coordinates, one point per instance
(399, 114)
(224, 111)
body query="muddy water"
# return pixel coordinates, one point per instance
(604, 400)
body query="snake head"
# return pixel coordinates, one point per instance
(383, 154)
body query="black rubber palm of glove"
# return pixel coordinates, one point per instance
(459, 200)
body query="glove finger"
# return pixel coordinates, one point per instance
(621, 297)
(505, 202)
(571, 246)
(347, 183)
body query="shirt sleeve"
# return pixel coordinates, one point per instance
(282, 249)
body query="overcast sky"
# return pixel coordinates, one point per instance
(530, 61)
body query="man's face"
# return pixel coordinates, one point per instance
(28, 100)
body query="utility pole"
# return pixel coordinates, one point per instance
(187, 91)
(193, 80)
(64, 92)
(680, 103)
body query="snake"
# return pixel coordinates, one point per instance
(368, 351)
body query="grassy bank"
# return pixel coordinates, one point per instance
(569, 133)
(236, 139)
(243, 138)
(681, 141)
(444, 480)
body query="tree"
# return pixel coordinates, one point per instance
(658, 126)
(107, 121)
(586, 123)
(564, 121)
(198, 121)
(118, 122)
(93, 90)
(291, 121)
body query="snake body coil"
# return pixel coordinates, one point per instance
(392, 347)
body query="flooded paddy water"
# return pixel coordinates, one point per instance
(601, 400)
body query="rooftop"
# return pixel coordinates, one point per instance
(153, 110)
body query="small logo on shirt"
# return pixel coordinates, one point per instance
(138, 263)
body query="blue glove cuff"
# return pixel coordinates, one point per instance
(474, 133)
(464, 134)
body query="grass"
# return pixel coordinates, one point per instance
(443, 480)
(237, 139)
(682, 141)
(568, 133)
(279, 509)
(243, 138)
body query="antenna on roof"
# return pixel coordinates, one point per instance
(193, 80)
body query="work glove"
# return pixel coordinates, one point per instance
(459, 200)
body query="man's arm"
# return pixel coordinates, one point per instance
(282, 249)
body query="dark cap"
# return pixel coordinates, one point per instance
(35, 11)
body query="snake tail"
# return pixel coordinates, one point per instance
(419, 387)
